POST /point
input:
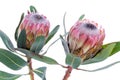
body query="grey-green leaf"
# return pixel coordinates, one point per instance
(41, 72)
(102, 68)
(33, 9)
(65, 45)
(6, 41)
(102, 55)
(16, 31)
(73, 61)
(21, 42)
(65, 32)
(11, 60)
(52, 33)
(38, 44)
(44, 59)
(8, 76)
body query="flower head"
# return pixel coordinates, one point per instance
(35, 25)
(85, 38)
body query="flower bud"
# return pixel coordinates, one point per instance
(35, 25)
(85, 38)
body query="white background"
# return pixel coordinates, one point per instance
(105, 12)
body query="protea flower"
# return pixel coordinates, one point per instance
(85, 38)
(35, 25)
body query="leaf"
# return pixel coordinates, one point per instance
(81, 17)
(8, 76)
(21, 42)
(33, 9)
(65, 32)
(16, 32)
(102, 55)
(41, 58)
(45, 59)
(52, 33)
(65, 45)
(38, 44)
(11, 60)
(116, 47)
(41, 72)
(73, 61)
(6, 41)
(102, 68)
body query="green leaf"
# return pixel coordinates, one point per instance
(11, 60)
(41, 72)
(33, 9)
(44, 59)
(38, 44)
(6, 41)
(65, 45)
(115, 49)
(81, 17)
(73, 61)
(8, 76)
(52, 33)
(21, 42)
(16, 32)
(102, 55)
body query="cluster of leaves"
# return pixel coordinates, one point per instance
(15, 62)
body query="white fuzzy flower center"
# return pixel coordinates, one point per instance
(36, 18)
(89, 29)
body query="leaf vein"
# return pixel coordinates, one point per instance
(12, 61)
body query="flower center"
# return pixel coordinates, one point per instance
(90, 26)
(36, 18)
(89, 29)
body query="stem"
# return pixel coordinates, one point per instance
(53, 43)
(68, 72)
(29, 60)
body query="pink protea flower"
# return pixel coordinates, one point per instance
(35, 25)
(85, 38)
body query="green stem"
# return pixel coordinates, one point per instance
(29, 60)
(68, 72)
